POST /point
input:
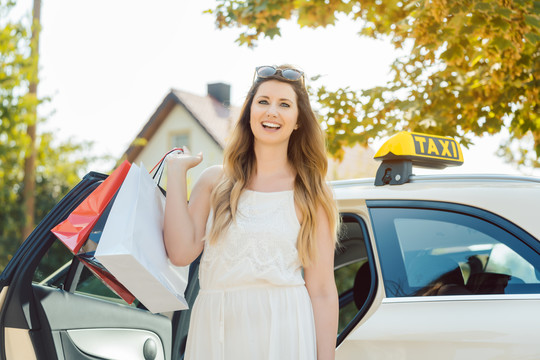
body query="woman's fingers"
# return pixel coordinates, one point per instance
(198, 158)
(183, 160)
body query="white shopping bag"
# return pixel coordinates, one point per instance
(131, 246)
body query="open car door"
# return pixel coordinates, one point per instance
(68, 313)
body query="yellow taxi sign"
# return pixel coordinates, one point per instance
(423, 150)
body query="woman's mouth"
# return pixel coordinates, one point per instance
(271, 125)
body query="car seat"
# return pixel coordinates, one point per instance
(435, 275)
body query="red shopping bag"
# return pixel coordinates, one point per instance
(108, 279)
(74, 231)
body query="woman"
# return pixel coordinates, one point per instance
(260, 218)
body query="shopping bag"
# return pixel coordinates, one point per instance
(86, 256)
(106, 277)
(81, 231)
(74, 231)
(131, 246)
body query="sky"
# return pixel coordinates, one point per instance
(107, 65)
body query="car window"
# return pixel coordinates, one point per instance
(426, 252)
(344, 277)
(352, 272)
(59, 268)
(52, 268)
(90, 285)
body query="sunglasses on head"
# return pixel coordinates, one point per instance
(287, 74)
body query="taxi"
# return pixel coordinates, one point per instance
(447, 266)
(432, 266)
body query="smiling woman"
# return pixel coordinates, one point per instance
(274, 112)
(261, 218)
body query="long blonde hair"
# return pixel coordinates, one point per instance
(307, 154)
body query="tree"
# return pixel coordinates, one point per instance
(15, 107)
(472, 69)
(30, 157)
(57, 166)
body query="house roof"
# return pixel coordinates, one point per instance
(215, 118)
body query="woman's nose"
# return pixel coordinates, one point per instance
(272, 111)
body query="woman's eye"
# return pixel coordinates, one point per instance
(263, 102)
(285, 105)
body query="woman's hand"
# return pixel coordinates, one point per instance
(179, 163)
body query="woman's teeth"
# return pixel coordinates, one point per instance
(271, 125)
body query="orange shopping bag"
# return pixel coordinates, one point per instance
(74, 231)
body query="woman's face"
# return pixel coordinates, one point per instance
(274, 112)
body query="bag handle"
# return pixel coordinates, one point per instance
(160, 165)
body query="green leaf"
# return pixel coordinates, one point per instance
(272, 32)
(533, 21)
(532, 38)
(483, 6)
(504, 12)
(453, 52)
(501, 24)
(261, 7)
(501, 43)
(536, 7)
(478, 19)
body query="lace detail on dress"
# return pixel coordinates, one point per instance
(259, 246)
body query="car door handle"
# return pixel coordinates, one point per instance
(119, 344)
(150, 349)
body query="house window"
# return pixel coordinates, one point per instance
(179, 140)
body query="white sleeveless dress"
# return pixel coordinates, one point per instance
(253, 303)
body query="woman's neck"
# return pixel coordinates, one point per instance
(272, 168)
(271, 159)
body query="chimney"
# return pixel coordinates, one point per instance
(221, 92)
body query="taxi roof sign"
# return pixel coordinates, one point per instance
(405, 149)
(423, 150)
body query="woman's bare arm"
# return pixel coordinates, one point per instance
(320, 283)
(185, 224)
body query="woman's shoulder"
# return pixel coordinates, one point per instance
(211, 175)
(213, 172)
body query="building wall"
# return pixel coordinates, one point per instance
(180, 122)
(357, 162)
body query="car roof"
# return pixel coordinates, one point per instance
(516, 198)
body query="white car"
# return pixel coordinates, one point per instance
(429, 267)
(448, 266)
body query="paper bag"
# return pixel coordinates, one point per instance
(87, 252)
(131, 247)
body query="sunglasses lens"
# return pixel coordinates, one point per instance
(291, 74)
(265, 71)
